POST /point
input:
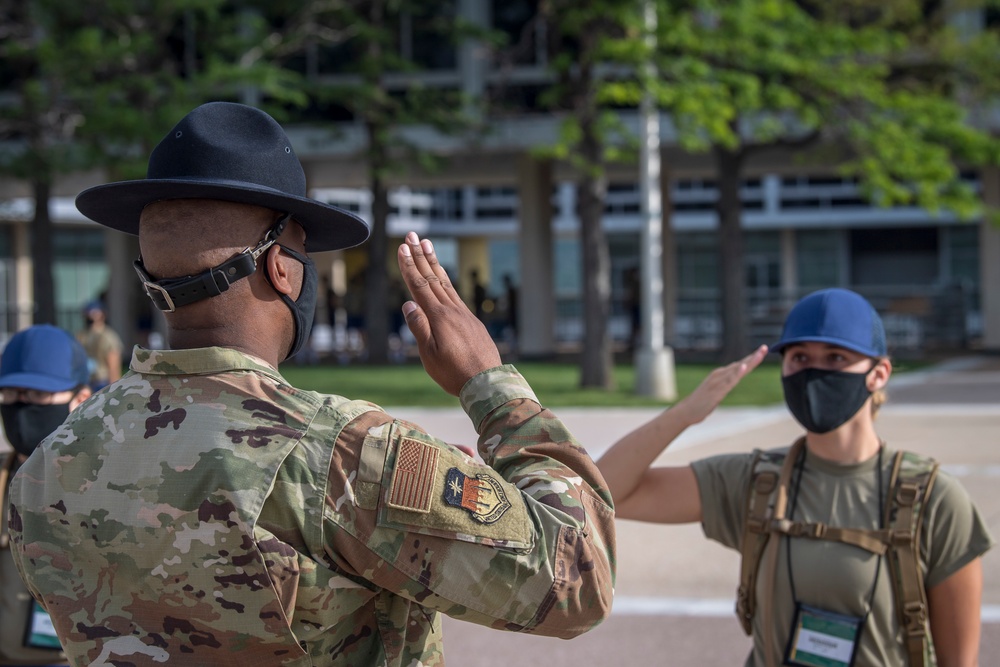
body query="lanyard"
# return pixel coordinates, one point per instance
(799, 467)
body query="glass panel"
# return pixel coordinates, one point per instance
(818, 258)
(697, 261)
(431, 42)
(504, 260)
(79, 271)
(567, 267)
(514, 20)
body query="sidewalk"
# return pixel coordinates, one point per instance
(675, 590)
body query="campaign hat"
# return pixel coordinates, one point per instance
(230, 152)
(45, 358)
(836, 316)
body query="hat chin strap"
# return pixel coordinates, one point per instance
(170, 294)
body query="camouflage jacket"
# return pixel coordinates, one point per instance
(202, 510)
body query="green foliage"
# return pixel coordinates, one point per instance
(885, 80)
(102, 81)
(597, 45)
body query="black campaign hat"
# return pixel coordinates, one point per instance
(231, 152)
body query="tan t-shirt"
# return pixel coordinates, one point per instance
(834, 576)
(98, 345)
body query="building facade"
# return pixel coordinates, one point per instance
(494, 207)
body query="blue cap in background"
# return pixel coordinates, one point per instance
(45, 358)
(836, 316)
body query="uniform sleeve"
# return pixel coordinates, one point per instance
(722, 486)
(954, 533)
(524, 543)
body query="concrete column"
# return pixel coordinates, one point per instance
(120, 250)
(23, 286)
(989, 261)
(473, 59)
(537, 302)
(789, 267)
(771, 184)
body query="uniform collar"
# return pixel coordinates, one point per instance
(198, 361)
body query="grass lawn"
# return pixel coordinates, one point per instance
(556, 385)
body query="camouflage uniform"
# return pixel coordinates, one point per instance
(202, 510)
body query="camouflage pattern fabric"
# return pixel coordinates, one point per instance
(203, 511)
(15, 602)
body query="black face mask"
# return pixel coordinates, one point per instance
(823, 400)
(27, 424)
(304, 308)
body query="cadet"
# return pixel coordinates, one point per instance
(201, 510)
(853, 554)
(43, 376)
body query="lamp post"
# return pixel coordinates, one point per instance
(654, 360)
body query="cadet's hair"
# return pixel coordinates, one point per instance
(879, 396)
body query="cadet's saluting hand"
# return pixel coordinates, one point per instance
(452, 342)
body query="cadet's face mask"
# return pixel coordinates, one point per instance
(27, 424)
(823, 400)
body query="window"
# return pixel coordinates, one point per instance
(901, 256)
(524, 36)
(818, 254)
(80, 273)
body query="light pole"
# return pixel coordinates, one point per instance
(654, 361)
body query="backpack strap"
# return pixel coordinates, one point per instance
(756, 528)
(875, 541)
(911, 483)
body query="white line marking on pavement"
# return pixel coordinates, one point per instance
(627, 605)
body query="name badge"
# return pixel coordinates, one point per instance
(40, 632)
(822, 638)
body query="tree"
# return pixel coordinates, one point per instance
(96, 84)
(364, 34)
(585, 36)
(742, 76)
(37, 128)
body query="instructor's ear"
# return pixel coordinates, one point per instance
(278, 269)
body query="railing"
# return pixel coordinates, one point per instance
(768, 201)
(915, 318)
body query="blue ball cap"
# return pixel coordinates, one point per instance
(45, 358)
(836, 316)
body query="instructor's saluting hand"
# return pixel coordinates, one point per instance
(453, 344)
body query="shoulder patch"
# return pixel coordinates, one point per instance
(413, 478)
(481, 496)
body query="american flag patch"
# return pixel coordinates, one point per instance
(413, 479)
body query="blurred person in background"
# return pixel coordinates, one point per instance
(43, 377)
(102, 344)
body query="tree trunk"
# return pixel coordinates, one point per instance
(377, 278)
(377, 282)
(42, 256)
(732, 300)
(596, 362)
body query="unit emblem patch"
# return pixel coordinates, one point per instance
(481, 496)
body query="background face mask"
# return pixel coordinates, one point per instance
(27, 424)
(822, 400)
